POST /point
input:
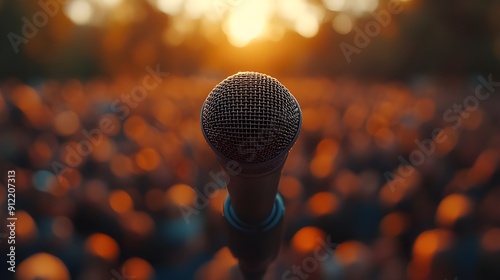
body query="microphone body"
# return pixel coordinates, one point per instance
(253, 197)
(251, 121)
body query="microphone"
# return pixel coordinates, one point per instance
(251, 121)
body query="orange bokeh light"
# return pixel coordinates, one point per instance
(483, 168)
(375, 122)
(306, 239)
(430, 242)
(452, 208)
(393, 224)
(139, 223)
(490, 240)
(321, 166)
(40, 153)
(424, 109)
(66, 123)
(135, 127)
(355, 115)
(62, 227)
(217, 200)
(103, 246)
(351, 252)
(25, 227)
(139, 268)
(104, 150)
(290, 187)
(323, 203)
(426, 245)
(147, 159)
(42, 266)
(346, 183)
(451, 137)
(218, 267)
(121, 165)
(180, 194)
(311, 120)
(120, 201)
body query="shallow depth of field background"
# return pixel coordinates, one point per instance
(113, 210)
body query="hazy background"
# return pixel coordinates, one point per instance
(192, 37)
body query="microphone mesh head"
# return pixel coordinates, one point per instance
(251, 118)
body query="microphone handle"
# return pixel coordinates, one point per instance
(254, 245)
(253, 197)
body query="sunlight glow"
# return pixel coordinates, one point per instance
(353, 7)
(291, 9)
(247, 21)
(307, 25)
(79, 11)
(242, 21)
(171, 7)
(359, 7)
(335, 5)
(111, 3)
(197, 8)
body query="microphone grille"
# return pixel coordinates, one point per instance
(251, 118)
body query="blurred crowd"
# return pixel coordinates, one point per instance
(101, 183)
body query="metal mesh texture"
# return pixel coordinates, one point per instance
(251, 118)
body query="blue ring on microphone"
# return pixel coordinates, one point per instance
(271, 221)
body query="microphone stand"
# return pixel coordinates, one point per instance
(254, 245)
(254, 229)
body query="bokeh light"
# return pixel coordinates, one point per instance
(79, 11)
(307, 239)
(139, 268)
(342, 24)
(490, 240)
(290, 187)
(180, 194)
(26, 229)
(352, 252)
(120, 201)
(323, 203)
(394, 224)
(452, 208)
(130, 199)
(242, 21)
(42, 266)
(103, 246)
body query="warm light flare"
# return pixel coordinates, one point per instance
(79, 11)
(335, 5)
(111, 3)
(247, 21)
(307, 25)
(241, 21)
(171, 7)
